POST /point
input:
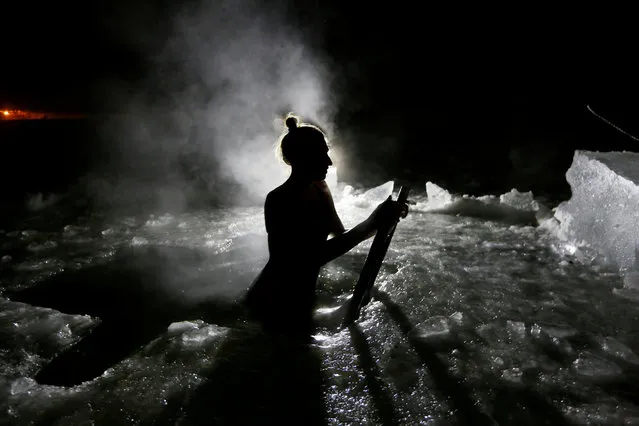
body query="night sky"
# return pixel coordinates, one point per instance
(416, 55)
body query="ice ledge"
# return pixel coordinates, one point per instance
(624, 163)
(603, 212)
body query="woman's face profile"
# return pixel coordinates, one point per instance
(316, 161)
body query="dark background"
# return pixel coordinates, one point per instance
(479, 100)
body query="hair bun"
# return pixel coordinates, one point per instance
(291, 123)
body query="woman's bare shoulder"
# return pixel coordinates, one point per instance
(324, 190)
(277, 195)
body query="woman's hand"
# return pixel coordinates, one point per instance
(387, 212)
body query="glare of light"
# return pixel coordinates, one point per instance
(5, 112)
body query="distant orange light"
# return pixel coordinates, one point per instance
(5, 112)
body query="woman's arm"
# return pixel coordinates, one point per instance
(340, 244)
(343, 241)
(384, 213)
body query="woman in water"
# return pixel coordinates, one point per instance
(300, 216)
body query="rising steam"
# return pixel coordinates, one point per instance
(227, 74)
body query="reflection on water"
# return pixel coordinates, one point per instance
(256, 376)
(476, 321)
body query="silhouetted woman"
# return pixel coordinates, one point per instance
(300, 215)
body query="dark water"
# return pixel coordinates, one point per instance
(478, 320)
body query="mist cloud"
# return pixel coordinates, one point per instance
(228, 72)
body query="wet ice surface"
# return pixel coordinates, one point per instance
(477, 321)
